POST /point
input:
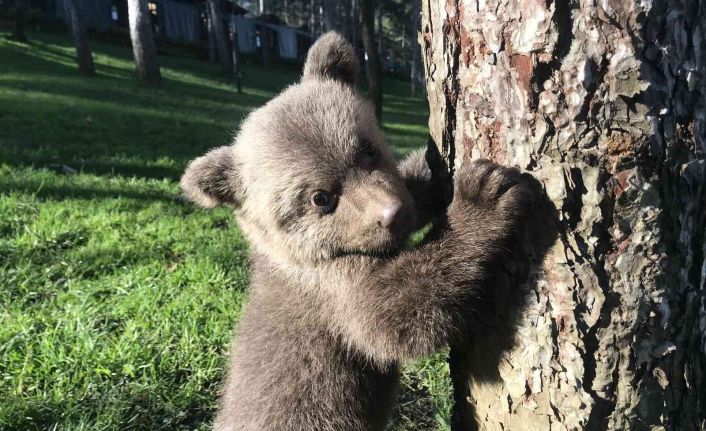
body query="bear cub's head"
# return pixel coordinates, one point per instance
(308, 173)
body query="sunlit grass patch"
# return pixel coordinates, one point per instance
(117, 298)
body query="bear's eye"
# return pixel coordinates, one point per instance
(323, 201)
(368, 152)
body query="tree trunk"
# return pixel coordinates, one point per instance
(224, 55)
(143, 48)
(266, 42)
(344, 12)
(331, 21)
(354, 22)
(374, 74)
(379, 16)
(414, 46)
(84, 58)
(21, 7)
(265, 35)
(322, 20)
(312, 19)
(597, 319)
(211, 38)
(236, 62)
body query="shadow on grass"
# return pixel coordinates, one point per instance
(47, 191)
(90, 124)
(50, 114)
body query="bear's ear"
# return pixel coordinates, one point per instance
(332, 57)
(213, 180)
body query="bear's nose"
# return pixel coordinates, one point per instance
(391, 213)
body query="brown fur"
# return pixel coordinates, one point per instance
(336, 306)
(334, 59)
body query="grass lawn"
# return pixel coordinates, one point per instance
(117, 298)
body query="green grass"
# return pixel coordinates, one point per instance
(118, 299)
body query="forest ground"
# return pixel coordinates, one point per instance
(117, 298)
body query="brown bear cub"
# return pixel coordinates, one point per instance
(336, 304)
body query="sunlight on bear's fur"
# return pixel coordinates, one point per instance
(336, 304)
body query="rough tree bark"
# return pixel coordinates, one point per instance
(372, 64)
(84, 58)
(597, 319)
(144, 49)
(219, 30)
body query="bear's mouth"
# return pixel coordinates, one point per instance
(382, 248)
(377, 254)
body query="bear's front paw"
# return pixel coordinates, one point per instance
(494, 193)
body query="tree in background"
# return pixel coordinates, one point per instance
(84, 58)
(265, 36)
(143, 46)
(21, 7)
(354, 19)
(294, 13)
(414, 63)
(379, 12)
(331, 16)
(224, 53)
(596, 320)
(237, 61)
(314, 21)
(374, 70)
(398, 30)
(211, 37)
